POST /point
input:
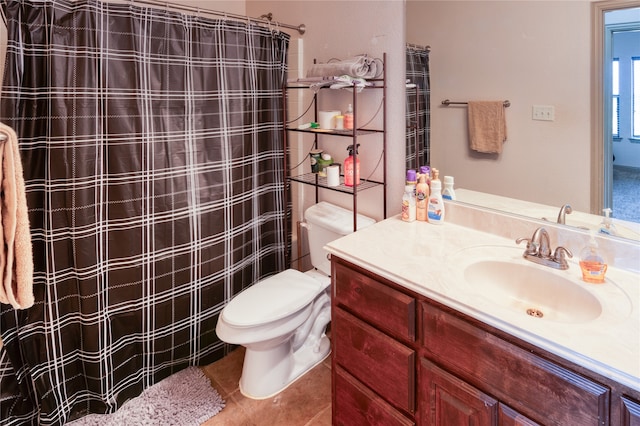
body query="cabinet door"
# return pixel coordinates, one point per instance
(447, 400)
(630, 412)
(355, 405)
(530, 384)
(510, 417)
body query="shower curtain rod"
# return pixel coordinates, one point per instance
(261, 20)
(419, 47)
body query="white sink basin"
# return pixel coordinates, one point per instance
(499, 281)
(533, 290)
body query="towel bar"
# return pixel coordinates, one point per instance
(447, 102)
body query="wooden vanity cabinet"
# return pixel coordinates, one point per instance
(400, 358)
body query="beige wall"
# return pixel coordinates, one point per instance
(531, 53)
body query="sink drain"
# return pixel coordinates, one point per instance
(536, 313)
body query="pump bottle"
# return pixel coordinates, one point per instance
(352, 167)
(422, 195)
(606, 226)
(592, 263)
(348, 118)
(435, 206)
(408, 204)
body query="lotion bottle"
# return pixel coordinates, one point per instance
(408, 204)
(592, 263)
(352, 167)
(435, 207)
(422, 197)
(347, 119)
(448, 193)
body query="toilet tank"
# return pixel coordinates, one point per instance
(327, 222)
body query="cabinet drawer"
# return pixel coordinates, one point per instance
(374, 302)
(378, 361)
(355, 405)
(630, 412)
(534, 386)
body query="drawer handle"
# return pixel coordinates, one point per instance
(358, 290)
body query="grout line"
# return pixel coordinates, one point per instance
(318, 415)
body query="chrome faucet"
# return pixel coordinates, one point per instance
(564, 210)
(538, 250)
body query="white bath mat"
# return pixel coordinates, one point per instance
(185, 398)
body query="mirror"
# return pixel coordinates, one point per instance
(528, 53)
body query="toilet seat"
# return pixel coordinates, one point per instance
(287, 292)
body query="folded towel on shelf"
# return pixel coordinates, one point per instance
(360, 66)
(334, 82)
(16, 258)
(487, 126)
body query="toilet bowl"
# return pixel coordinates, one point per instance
(281, 320)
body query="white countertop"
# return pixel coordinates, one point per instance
(422, 256)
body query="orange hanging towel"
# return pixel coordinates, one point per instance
(487, 126)
(16, 258)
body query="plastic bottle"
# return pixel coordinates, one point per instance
(606, 226)
(448, 193)
(351, 170)
(435, 207)
(347, 120)
(591, 263)
(412, 179)
(408, 204)
(422, 197)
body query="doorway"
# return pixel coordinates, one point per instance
(622, 56)
(614, 183)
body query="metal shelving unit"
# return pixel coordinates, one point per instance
(320, 182)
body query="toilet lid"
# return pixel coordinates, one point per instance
(271, 299)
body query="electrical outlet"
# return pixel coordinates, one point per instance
(544, 112)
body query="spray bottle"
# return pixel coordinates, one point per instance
(351, 170)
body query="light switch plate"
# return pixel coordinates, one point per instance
(544, 112)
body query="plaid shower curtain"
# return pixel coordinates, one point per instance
(418, 108)
(153, 154)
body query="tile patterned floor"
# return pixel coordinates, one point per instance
(307, 402)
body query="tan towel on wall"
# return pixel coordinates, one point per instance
(16, 258)
(487, 126)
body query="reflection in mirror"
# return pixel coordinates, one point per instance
(561, 214)
(532, 53)
(417, 107)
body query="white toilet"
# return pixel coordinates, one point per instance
(281, 320)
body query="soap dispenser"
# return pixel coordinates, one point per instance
(606, 226)
(347, 119)
(592, 263)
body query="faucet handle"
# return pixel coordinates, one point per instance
(559, 256)
(532, 247)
